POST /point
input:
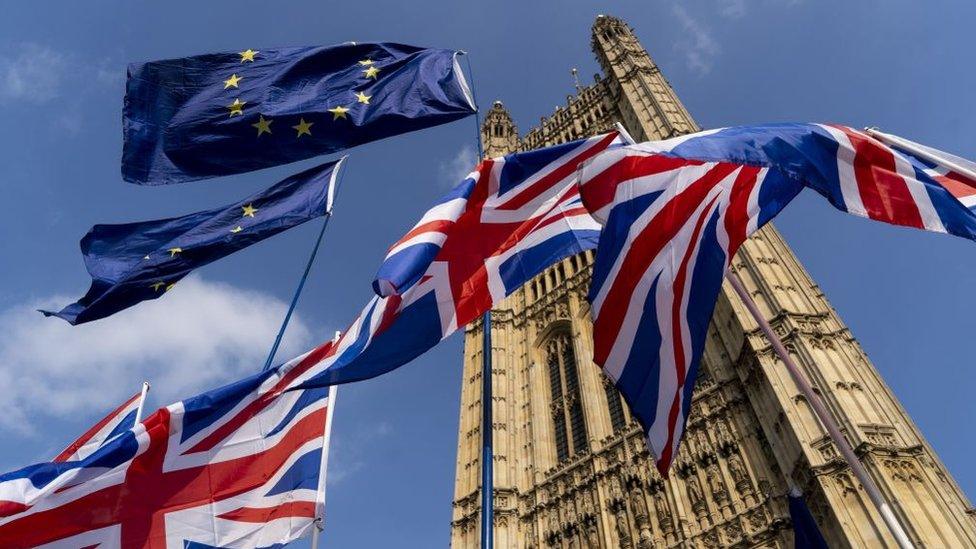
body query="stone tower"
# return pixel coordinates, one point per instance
(572, 468)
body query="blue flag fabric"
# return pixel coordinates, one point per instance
(226, 113)
(806, 533)
(134, 262)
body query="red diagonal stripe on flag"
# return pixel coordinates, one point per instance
(677, 321)
(261, 515)
(644, 249)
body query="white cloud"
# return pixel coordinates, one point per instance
(109, 74)
(454, 171)
(36, 74)
(200, 336)
(32, 73)
(347, 455)
(70, 122)
(732, 9)
(699, 47)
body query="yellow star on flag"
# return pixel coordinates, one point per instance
(248, 55)
(371, 72)
(174, 251)
(303, 128)
(249, 210)
(170, 286)
(338, 112)
(157, 286)
(366, 62)
(263, 125)
(237, 107)
(363, 98)
(237, 229)
(232, 81)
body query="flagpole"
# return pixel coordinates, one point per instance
(319, 522)
(824, 415)
(333, 186)
(487, 452)
(142, 402)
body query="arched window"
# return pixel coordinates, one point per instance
(569, 425)
(616, 405)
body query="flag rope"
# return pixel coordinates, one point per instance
(308, 266)
(874, 493)
(487, 452)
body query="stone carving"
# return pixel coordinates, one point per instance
(714, 477)
(587, 506)
(846, 484)
(646, 539)
(704, 448)
(682, 465)
(740, 477)
(757, 519)
(904, 471)
(615, 492)
(880, 435)
(562, 310)
(737, 469)
(695, 494)
(663, 514)
(733, 532)
(552, 525)
(726, 438)
(592, 536)
(638, 446)
(623, 531)
(639, 505)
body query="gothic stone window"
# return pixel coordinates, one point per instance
(617, 419)
(569, 425)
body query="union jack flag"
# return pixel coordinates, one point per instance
(506, 222)
(675, 212)
(240, 466)
(119, 421)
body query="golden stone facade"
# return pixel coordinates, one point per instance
(571, 467)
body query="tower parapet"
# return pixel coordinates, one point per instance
(648, 105)
(499, 135)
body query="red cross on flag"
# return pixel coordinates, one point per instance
(240, 466)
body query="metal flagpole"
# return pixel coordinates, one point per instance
(142, 402)
(334, 184)
(319, 522)
(487, 454)
(825, 418)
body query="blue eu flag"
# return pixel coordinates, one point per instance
(138, 261)
(227, 113)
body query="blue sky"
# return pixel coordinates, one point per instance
(905, 295)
